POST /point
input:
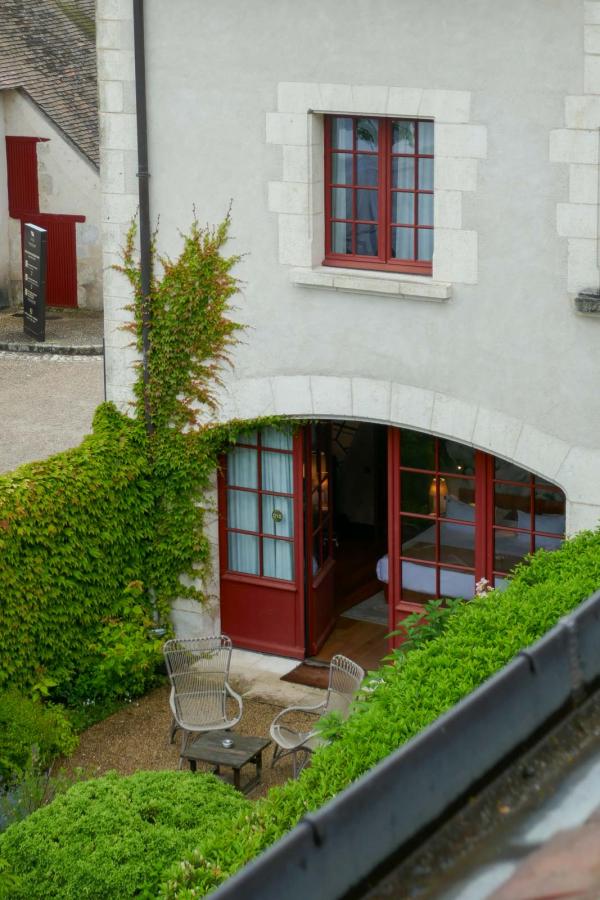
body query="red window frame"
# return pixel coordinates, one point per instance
(259, 447)
(534, 497)
(384, 261)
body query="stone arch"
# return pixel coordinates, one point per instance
(573, 468)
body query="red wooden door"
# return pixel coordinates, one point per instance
(319, 535)
(61, 278)
(261, 543)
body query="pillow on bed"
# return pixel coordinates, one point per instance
(554, 524)
(456, 509)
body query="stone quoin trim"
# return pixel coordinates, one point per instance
(577, 145)
(297, 127)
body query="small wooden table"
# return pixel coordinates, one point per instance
(209, 748)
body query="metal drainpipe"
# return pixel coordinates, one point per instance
(144, 196)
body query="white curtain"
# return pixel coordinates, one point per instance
(242, 508)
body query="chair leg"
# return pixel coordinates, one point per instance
(184, 741)
(172, 730)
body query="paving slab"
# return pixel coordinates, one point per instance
(258, 676)
(47, 404)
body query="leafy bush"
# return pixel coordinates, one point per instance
(30, 733)
(477, 639)
(113, 837)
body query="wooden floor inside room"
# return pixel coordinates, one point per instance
(364, 642)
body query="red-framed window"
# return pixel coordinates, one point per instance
(259, 486)
(460, 515)
(379, 193)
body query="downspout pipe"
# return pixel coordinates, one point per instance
(143, 176)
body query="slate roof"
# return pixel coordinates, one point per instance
(48, 49)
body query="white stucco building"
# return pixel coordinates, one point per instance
(415, 192)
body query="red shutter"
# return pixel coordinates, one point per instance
(21, 161)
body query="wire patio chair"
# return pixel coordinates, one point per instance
(198, 669)
(345, 677)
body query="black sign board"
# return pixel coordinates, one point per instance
(34, 281)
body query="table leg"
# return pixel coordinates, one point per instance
(193, 765)
(236, 779)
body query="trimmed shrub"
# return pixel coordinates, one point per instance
(113, 837)
(30, 732)
(478, 638)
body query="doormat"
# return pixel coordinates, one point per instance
(311, 676)
(373, 609)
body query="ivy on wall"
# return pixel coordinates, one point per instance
(94, 541)
(191, 335)
(73, 535)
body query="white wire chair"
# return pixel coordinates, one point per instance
(345, 677)
(198, 669)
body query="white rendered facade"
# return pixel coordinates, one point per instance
(489, 350)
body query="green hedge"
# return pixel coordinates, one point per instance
(113, 837)
(74, 532)
(479, 638)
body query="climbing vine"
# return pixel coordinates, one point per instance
(191, 337)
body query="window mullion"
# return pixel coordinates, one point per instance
(384, 190)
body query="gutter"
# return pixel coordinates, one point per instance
(143, 176)
(331, 852)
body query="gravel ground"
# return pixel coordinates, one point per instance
(137, 739)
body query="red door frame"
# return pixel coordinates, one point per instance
(320, 588)
(258, 612)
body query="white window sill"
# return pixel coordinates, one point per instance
(361, 281)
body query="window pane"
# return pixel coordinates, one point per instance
(418, 581)
(509, 472)
(247, 437)
(278, 515)
(403, 243)
(417, 450)
(549, 511)
(366, 240)
(278, 559)
(425, 137)
(243, 553)
(341, 133)
(366, 169)
(455, 457)
(416, 493)
(456, 584)
(403, 137)
(418, 538)
(242, 468)
(277, 472)
(425, 209)
(341, 168)
(403, 172)
(426, 174)
(425, 244)
(403, 208)
(547, 543)
(457, 544)
(273, 437)
(341, 237)
(510, 547)
(366, 134)
(366, 205)
(341, 203)
(242, 510)
(512, 502)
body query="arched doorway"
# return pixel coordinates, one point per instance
(351, 522)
